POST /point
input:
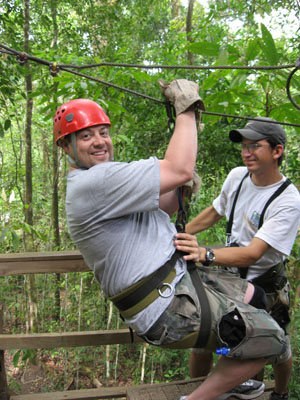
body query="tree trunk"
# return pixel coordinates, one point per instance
(189, 27)
(175, 8)
(28, 176)
(55, 197)
(3, 381)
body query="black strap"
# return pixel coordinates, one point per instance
(281, 188)
(153, 281)
(205, 323)
(230, 221)
(181, 214)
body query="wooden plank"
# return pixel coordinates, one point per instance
(43, 262)
(66, 339)
(120, 392)
(86, 394)
(173, 390)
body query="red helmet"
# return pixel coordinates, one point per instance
(76, 115)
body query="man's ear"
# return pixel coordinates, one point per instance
(65, 144)
(278, 151)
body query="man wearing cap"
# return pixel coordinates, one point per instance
(259, 235)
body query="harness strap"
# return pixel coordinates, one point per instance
(138, 296)
(205, 323)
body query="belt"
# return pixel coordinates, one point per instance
(140, 295)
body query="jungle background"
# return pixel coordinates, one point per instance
(33, 170)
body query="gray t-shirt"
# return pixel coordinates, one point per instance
(115, 221)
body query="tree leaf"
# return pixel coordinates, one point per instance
(7, 124)
(205, 48)
(252, 49)
(268, 46)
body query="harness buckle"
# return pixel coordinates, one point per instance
(169, 291)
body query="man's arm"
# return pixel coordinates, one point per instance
(204, 220)
(168, 202)
(177, 167)
(227, 256)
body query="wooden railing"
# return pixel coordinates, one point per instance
(55, 262)
(65, 262)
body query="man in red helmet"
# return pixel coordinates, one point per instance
(118, 216)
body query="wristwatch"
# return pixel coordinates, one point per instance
(209, 257)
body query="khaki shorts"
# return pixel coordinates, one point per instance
(252, 332)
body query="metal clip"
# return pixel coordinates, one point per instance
(22, 59)
(54, 69)
(169, 292)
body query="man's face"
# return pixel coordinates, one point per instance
(94, 146)
(258, 156)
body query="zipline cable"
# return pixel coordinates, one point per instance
(153, 66)
(289, 82)
(55, 68)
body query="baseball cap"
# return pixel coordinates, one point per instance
(258, 130)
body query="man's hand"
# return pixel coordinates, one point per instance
(183, 94)
(188, 244)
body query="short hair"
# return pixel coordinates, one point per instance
(273, 143)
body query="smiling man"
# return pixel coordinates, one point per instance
(263, 213)
(119, 218)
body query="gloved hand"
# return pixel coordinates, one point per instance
(182, 94)
(193, 186)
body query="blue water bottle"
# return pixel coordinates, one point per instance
(223, 351)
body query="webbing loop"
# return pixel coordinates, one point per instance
(171, 116)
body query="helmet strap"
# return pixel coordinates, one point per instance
(74, 147)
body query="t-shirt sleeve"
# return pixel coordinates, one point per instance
(129, 188)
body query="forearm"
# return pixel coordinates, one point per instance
(204, 220)
(234, 257)
(237, 256)
(227, 256)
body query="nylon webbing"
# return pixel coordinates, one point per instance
(127, 300)
(230, 221)
(205, 322)
(285, 184)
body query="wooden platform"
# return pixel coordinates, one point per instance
(173, 390)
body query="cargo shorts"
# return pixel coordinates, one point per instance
(247, 332)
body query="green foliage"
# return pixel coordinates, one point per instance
(133, 32)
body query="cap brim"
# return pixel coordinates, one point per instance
(237, 135)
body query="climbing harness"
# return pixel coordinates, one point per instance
(140, 295)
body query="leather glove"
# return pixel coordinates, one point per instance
(193, 186)
(182, 94)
